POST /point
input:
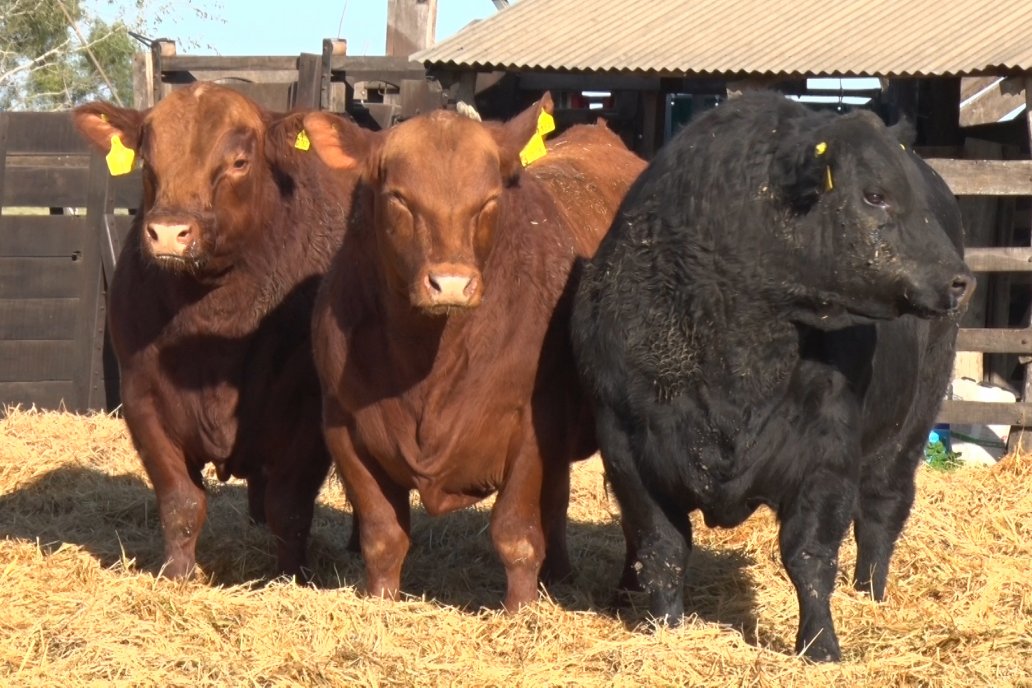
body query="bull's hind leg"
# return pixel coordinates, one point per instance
(885, 502)
(294, 479)
(658, 538)
(555, 501)
(812, 527)
(256, 485)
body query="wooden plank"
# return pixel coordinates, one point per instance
(1009, 259)
(410, 26)
(970, 85)
(989, 105)
(43, 133)
(995, 340)
(196, 63)
(1022, 441)
(5, 120)
(49, 159)
(985, 413)
(39, 278)
(392, 69)
(41, 236)
(272, 96)
(89, 329)
(143, 80)
(47, 187)
(307, 94)
(35, 361)
(37, 318)
(985, 177)
(51, 395)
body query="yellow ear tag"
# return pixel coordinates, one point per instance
(302, 142)
(820, 149)
(828, 184)
(535, 148)
(120, 158)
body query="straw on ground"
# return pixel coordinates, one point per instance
(79, 602)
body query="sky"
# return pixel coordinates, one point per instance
(264, 27)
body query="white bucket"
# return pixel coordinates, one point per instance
(985, 444)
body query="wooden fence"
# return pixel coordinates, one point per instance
(55, 262)
(59, 237)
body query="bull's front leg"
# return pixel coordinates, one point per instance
(178, 486)
(813, 523)
(381, 508)
(885, 502)
(516, 525)
(658, 539)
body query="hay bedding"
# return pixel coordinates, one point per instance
(79, 603)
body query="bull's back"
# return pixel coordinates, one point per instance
(587, 170)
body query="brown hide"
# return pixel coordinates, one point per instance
(210, 320)
(478, 396)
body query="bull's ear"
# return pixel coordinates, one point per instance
(340, 143)
(904, 132)
(515, 134)
(286, 140)
(803, 169)
(100, 122)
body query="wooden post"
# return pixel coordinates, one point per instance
(328, 99)
(143, 80)
(159, 49)
(4, 119)
(410, 26)
(309, 82)
(1020, 438)
(92, 308)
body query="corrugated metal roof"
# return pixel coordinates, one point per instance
(776, 37)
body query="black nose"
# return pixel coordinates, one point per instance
(961, 288)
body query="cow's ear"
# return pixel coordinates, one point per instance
(803, 169)
(100, 122)
(340, 143)
(513, 136)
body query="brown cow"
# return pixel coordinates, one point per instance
(210, 308)
(440, 331)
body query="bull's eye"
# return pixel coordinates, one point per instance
(240, 164)
(875, 199)
(397, 199)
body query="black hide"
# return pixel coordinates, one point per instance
(771, 320)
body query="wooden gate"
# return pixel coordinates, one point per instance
(59, 236)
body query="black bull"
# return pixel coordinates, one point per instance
(771, 320)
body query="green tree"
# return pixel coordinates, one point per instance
(55, 55)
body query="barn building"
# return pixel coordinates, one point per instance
(960, 72)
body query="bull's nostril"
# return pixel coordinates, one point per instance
(183, 237)
(959, 286)
(152, 234)
(960, 290)
(443, 287)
